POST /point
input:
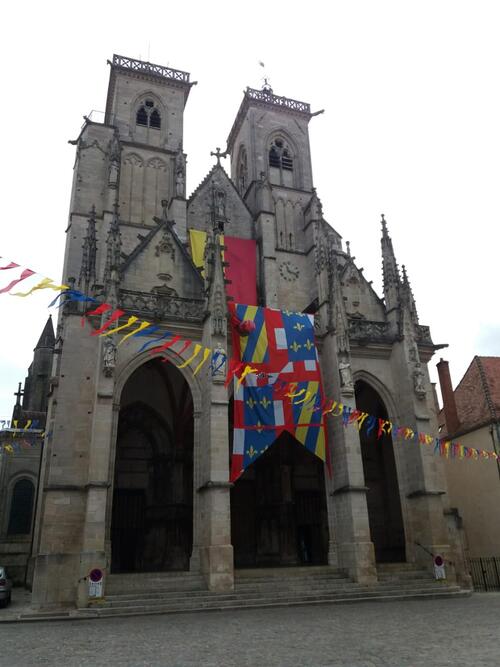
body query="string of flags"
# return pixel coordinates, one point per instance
(142, 328)
(266, 369)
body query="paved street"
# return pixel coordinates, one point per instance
(435, 633)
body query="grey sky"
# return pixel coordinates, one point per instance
(411, 129)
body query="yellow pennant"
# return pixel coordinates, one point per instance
(206, 354)
(131, 320)
(142, 325)
(197, 348)
(46, 283)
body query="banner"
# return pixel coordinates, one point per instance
(240, 255)
(274, 350)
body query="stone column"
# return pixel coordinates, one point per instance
(216, 550)
(351, 547)
(99, 484)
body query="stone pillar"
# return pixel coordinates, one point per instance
(266, 231)
(216, 550)
(99, 485)
(63, 493)
(351, 547)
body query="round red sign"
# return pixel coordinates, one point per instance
(438, 561)
(96, 575)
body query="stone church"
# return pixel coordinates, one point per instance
(135, 474)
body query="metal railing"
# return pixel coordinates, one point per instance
(485, 573)
(150, 68)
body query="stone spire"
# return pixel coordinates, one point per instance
(407, 298)
(390, 271)
(113, 256)
(87, 277)
(47, 338)
(216, 288)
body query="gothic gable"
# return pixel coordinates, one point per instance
(161, 264)
(216, 198)
(361, 300)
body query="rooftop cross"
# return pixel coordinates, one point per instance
(218, 154)
(19, 393)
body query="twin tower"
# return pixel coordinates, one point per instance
(135, 474)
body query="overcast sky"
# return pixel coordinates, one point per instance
(411, 129)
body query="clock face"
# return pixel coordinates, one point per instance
(289, 271)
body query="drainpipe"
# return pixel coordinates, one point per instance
(449, 405)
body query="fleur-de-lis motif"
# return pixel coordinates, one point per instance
(299, 326)
(251, 403)
(259, 427)
(265, 402)
(308, 345)
(295, 346)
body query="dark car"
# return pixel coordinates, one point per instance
(5, 587)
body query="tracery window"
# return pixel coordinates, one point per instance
(280, 162)
(242, 171)
(148, 115)
(21, 508)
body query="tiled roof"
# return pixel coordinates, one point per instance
(477, 396)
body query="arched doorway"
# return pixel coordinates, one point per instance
(152, 517)
(278, 509)
(379, 466)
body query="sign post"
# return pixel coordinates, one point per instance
(95, 579)
(439, 571)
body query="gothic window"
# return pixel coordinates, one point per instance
(21, 508)
(242, 171)
(148, 115)
(280, 163)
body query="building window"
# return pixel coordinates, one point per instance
(148, 115)
(242, 171)
(21, 508)
(280, 163)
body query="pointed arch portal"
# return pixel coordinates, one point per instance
(278, 509)
(152, 516)
(379, 466)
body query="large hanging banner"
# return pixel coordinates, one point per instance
(240, 255)
(277, 383)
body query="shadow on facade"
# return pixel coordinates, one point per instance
(152, 516)
(384, 505)
(278, 509)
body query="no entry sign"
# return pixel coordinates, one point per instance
(95, 578)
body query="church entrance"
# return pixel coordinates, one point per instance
(278, 509)
(379, 466)
(152, 516)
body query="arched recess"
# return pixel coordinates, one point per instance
(22, 500)
(278, 507)
(132, 188)
(283, 159)
(381, 478)
(152, 505)
(148, 119)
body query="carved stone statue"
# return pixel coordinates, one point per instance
(418, 381)
(114, 160)
(180, 174)
(220, 204)
(179, 183)
(108, 357)
(346, 382)
(219, 363)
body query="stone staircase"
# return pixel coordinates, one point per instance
(160, 593)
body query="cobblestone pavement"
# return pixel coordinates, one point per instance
(434, 633)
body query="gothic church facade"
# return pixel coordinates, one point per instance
(135, 475)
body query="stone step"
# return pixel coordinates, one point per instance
(202, 597)
(117, 583)
(229, 605)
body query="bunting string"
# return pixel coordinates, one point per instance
(329, 407)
